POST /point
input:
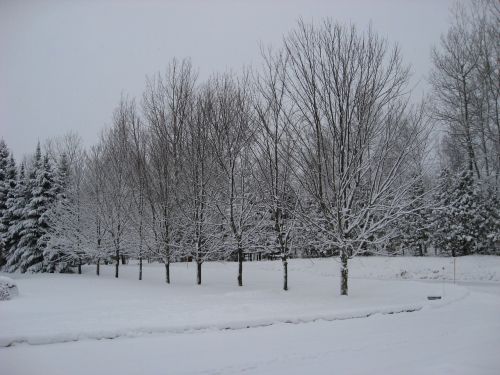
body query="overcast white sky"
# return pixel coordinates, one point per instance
(64, 64)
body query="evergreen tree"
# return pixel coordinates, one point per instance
(26, 254)
(6, 219)
(415, 227)
(62, 178)
(63, 234)
(49, 189)
(4, 190)
(440, 219)
(460, 217)
(16, 202)
(465, 214)
(489, 222)
(35, 216)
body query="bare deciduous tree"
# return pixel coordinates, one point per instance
(354, 132)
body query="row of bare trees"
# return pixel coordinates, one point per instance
(317, 147)
(466, 89)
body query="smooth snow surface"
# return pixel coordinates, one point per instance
(185, 324)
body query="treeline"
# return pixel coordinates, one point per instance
(317, 152)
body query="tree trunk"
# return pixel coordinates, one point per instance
(198, 273)
(344, 273)
(98, 267)
(117, 264)
(240, 266)
(167, 272)
(79, 266)
(140, 268)
(285, 274)
(124, 259)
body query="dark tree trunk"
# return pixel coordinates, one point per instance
(240, 266)
(124, 259)
(98, 267)
(117, 264)
(198, 273)
(167, 272)
(344, 273)
(79, 266)
(140, 268)
(285, 274)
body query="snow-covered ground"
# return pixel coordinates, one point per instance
(468, 268)
(182, 328)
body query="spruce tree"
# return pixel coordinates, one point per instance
(465, 214)
(440, 218)
(58, 241)
(4, 190)
(489, 222)
(459, 216)
(49, 189)
(26, 251)
(35, 216)
(61, 178)
(16, 202)
(415, 227)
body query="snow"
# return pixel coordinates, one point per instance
(59, 308)
(8, 288)
(467, 268)
(184, 328)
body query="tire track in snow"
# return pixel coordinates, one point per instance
(7, 342)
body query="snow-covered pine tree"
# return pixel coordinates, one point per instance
(414, 227)
(62, 177)
(488, 222)
(458, 216)
(440, 219)
(26, 253)
(62, 239)
(48, 188)
(16, 202)
(4, 190)
(465, 214)
(35, 222)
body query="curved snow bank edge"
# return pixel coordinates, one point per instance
(236, 325)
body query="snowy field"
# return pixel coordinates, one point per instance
(63, 324)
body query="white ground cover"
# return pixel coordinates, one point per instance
(184, 324)
(468, 268)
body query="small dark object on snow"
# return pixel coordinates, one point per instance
(431, 298)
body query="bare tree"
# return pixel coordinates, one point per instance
(138, 180)
(167, 107)
(466, 88)
(232, 134)
(274, 152)
(354, 132)
(116, 202)
(203, 225)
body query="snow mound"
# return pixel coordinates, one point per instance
(8, 288)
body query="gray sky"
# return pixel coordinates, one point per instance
(64, 64)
